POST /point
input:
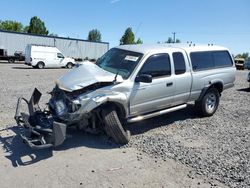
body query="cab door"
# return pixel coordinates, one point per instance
(183, 78)
(148, 97)
(59, 60)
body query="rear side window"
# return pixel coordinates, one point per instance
(210, 60)
(157, 65)
(202, 60)
(222, 59)
(179, 63)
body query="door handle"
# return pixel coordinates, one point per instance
(169, 84)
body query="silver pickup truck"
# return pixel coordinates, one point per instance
(129, 83)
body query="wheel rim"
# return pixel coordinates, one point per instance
(211, 102)
(69, 66)
(40, 66)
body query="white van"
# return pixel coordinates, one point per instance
(46, 56)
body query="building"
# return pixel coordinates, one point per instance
(71, 47)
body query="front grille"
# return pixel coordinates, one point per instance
(60, 95)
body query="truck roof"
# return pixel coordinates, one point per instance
(144, 48)
(42, 48)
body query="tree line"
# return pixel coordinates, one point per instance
(243, 55)
(37, 26)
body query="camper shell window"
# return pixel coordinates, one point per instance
(210, 60)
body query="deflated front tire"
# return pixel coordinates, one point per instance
(113, 126)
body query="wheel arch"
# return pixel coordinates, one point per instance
(217, 85)
(121, 112)
(69, 63)
(40, 62)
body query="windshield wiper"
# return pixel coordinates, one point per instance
(118, 70)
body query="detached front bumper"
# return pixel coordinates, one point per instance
(41, 130)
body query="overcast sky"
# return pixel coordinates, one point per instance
(222, 22)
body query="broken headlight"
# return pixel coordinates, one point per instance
(60, 107)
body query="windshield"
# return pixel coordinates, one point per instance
(119, 61)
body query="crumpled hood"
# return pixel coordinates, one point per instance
(86, 74)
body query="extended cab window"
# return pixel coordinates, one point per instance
(179, 63)
(59, 55)
(157, 65)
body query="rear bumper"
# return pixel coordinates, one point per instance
(41, 131)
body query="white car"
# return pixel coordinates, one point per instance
(46, 56)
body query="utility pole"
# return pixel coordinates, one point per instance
(174, 36)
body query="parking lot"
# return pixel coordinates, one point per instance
(179, 149)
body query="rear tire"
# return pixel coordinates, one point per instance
(209, 103)
(113, 126)
(40, 65)
(11, 60)
(69, 65)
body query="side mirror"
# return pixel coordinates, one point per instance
(145, 78)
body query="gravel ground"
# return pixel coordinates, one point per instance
(84, 160)
(217, 147)
(178, 149)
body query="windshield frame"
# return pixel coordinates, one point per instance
(119, 69)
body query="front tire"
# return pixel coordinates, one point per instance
(113, 126)
(209, 103)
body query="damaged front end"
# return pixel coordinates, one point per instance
(42, 131)
(76, 100)
(47, 128)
